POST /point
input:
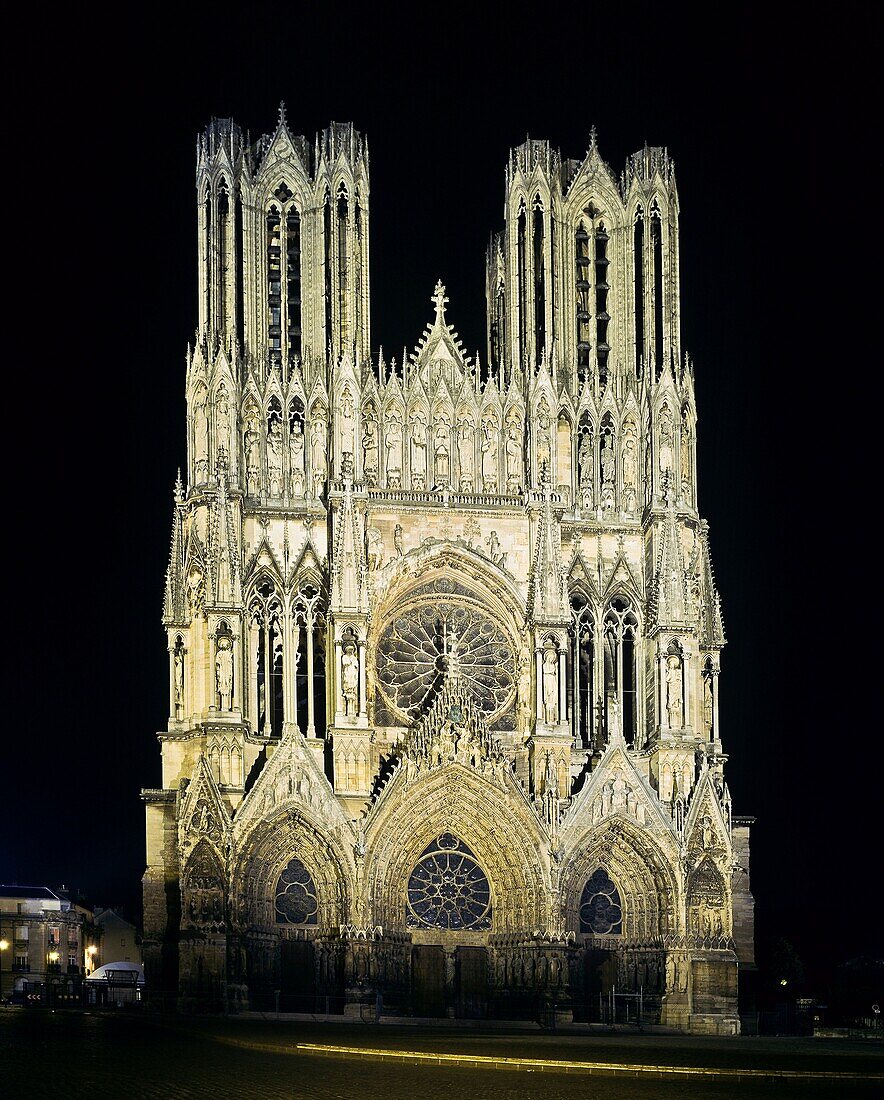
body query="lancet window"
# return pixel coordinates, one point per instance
(522, 260)
(584, 685)
(581, 275)
(539, 281)
(223, 257)
(601, 302)
(328, 254)
(239, 290)
(274, 285)
(207, 260)
(293, 282)
(342, 209)
(266, 637)
(638, 267)
(308, 661)
(620, 631)
(657, 257)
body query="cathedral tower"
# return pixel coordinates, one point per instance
(444, 638)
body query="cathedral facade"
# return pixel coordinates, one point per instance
(443, 634)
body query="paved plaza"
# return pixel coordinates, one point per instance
(81, 1053)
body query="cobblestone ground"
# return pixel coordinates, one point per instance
(79, 1054)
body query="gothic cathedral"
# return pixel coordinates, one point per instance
(443, 634)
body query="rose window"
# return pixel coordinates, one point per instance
(415, 649)
(448, 888)
(295, 895)
(600, 908)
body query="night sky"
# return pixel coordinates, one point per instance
(771, 135)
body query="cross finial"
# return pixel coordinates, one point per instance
(282, 119)
(439, 299)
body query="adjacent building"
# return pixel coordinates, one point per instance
(444, 637)
(51, 943)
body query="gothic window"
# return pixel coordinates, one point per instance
(601, 912)
(657, 256)
(327, 238)
(638, 266)
(265, 611)
(237, 259)
(296, 895)
(602, 317)
(584, 668)
(274, 284)
(357, 267)
(581, 274)
(343, 217)
(521, 226)
(207, 224)
(410, 658)
(309, 660)
(620, 634)
(293, 281)
(498, 327)
(448, 889)
(539, 281)
(223, 247)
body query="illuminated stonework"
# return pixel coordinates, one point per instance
(444, 639)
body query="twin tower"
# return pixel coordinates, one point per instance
(444, 638)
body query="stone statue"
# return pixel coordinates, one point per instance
(707, 702)
(673, 692)
(418, 453)
(513, 455)
(494, 549)
(607, 460)
(274, 457)
(179, 681)
(465, 456)
(252, 448)
(489, 456)
(542, 449)
(629, 462)
(397, 540)
(224, 670)
(685, 460)
(374, 548)
(201, 435)
(317, 449)
(393, 445)
(222, 420)
(584, 459)
(348, 414)
(350, 678)
(370, 451)
(551, 686)
(442, 458)
(666, 432)
(296, 459)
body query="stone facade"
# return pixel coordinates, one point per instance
(443, 635)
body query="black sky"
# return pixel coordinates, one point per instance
(770, 128)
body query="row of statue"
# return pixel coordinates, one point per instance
(469, 454)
